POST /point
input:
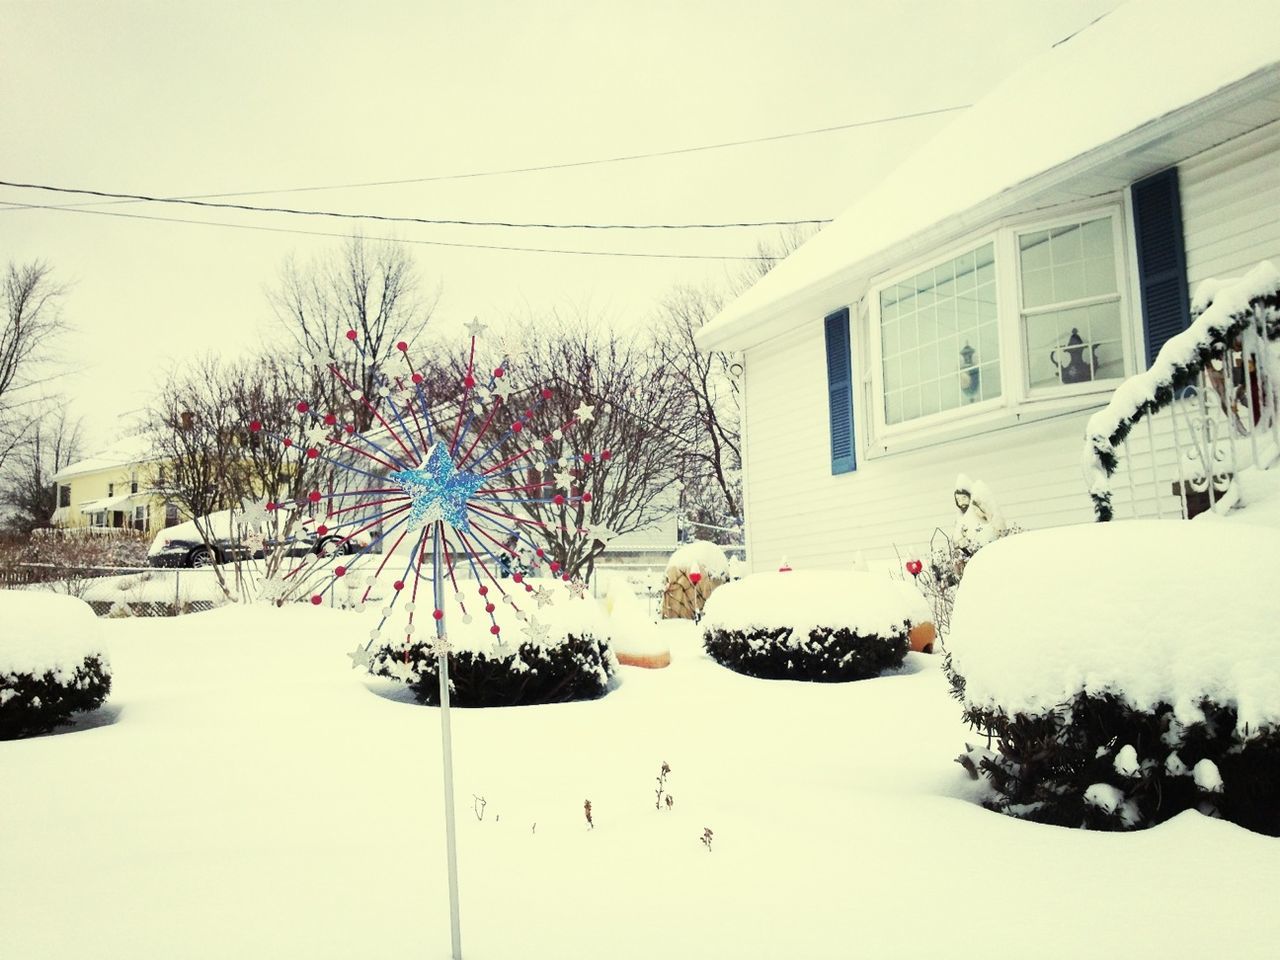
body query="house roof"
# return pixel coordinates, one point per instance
(124, 452)
(1080, 104)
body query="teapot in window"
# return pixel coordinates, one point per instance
(1076, 369)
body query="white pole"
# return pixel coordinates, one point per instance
(446, 747)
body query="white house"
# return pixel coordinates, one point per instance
(969, 313)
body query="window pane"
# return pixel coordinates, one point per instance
(1033, 250)
(1065, 245)
(989, 376)
(924, 323)
(1042, 337)
(1096, 236)
(1037, 287)
(1099, 277)
(1068, 281)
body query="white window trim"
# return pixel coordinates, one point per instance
(1017, 402)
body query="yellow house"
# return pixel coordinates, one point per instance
(115, 489)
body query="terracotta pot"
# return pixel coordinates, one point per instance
(922, 636)
(650, 661)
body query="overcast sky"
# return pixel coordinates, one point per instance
(178, 99)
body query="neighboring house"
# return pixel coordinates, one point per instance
(969, 313)
(114, 489)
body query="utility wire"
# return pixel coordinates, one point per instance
(386, 218)
(599, 161)
(344, 236)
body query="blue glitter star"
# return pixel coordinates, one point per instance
(439, 490)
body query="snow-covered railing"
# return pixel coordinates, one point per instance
(1211, 402)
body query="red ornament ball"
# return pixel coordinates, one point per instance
(416, 378)
(498, 372)
(489, 608)
(565, 578)
(312, 453)
(314, 496)
(438, 614)
(540, 553)
(288, 442)
(351, 335)
(484, 591)
(317, 599)
(586, 498)
(587, 458)
(495, 629)
(517, 427)
(546, 393)
(555, 567)
(469, 381)
(322, 529)
(606, 454)
(398, 585)
(402, 346)
(528, 588)
(271, 505)
(330, 419)
(339, 571)
(351, 428)
(558, 499)
(517, 578)
(254, 426)
(303, 406)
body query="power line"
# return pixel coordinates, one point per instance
(598, 161)
(344, 236)
(387, 218)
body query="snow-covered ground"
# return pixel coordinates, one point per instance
(245, 793)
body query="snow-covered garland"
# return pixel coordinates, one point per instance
(444, 477)
(1222, 311)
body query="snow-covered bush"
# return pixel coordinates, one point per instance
(52, 663)
(560, 653)
(810, 625)
(1126, 671)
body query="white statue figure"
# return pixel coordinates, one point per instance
(978, 518)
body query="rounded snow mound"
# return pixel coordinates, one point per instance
(52, 661)
(1149, 611)
(706, 556)
(805, 599)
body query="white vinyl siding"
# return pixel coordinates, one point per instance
(1231, 206)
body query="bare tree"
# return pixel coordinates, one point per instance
(30, 319)
(611, 399)
(52, 443)
(370, 287)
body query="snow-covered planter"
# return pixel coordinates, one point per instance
(52, 662)
(1127, 671)
(810, 625)
(560, 653)
(692, 575)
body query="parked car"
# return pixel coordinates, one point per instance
(183, 546)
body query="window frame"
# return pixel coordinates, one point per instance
(1017, 402)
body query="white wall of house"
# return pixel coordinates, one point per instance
(892, 503)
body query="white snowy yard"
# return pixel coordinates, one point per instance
(256, 797)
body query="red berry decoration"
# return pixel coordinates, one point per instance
(546, 393)
(351, 428)
(517, 578)
(586, 498)
(351, 335)
(330, 419)
(469, 381)
(402, 346)
(528, 588)
(566, 578)
(398, 585)
(317, 599)
(484, 591)
(540, 553)
(314, 496)
(254, 426)
(312, 453)
(438, 614)
(498, 372)
(416, 378)
(495, 629)
(517, 427)
(339, 571)
(322, 529)
(558, 499)
(288, 442)
(914, 567)
(606, 454)
(587, 458)
(555, 567)
(489, 608)
(303, 406)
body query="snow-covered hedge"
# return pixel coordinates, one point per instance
(1128, 671)
(572, 661)
(1223, 310)
(52, 663)
(810, 625)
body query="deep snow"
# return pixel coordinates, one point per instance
(255, 797)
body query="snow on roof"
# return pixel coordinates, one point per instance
(1137, 64)
(122, 453)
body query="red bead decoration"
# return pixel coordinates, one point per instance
(438, 614)
(566, 578)
(546, 393)
(351, 335)
(322, 529)
(469, 381)
(317, 599)
(484, 591)
(606, 454)
(271, 505)
(351, 428)
(339, 571)
(517, 427)
(489, 608)
(586, 498)
(587, 458)
(402, 346)
(558, 499)
(330, 419)
(416, 378)
(540, 553)
(255, 426)
(498, 372)
(495, 629)
(555, 567)
(398, 585)
(288, 441)
(314, 496)
(312, 453)
(517, 578)
(528, 588)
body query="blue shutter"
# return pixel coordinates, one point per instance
(840, 392)
(1162, 258)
